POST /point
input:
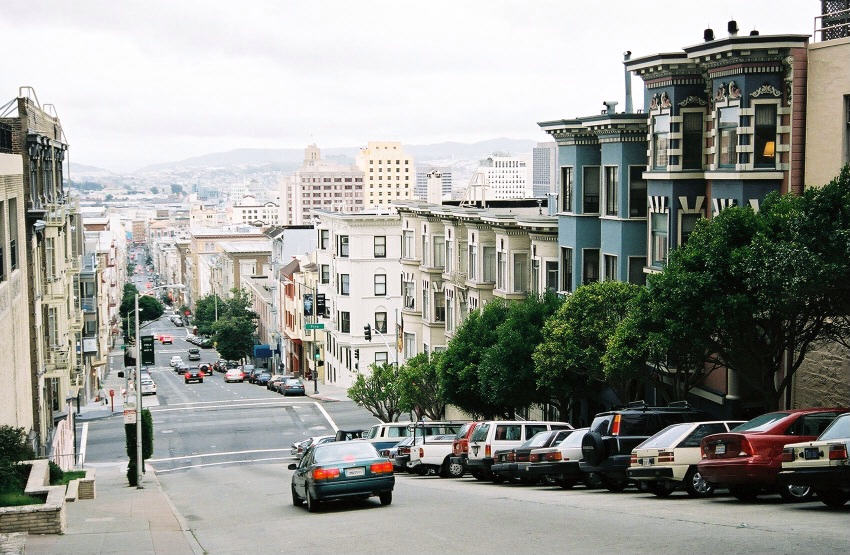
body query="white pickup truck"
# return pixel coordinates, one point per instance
(432, 455)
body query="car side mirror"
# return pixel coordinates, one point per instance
(120, 374)
(292, 466)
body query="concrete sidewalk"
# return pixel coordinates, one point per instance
(327, 392)
(120, 520)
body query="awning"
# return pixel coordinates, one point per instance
(262, 351)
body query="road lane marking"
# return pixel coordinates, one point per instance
(83, 441)
(221, 463)
(327, 416)
(239, 406)
(220, 401)
(221, 454)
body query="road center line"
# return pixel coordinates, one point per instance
(222, 454)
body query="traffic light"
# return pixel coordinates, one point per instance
(367, 332)
(356, 354)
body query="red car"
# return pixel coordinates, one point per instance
(460, 445)
(747, 459)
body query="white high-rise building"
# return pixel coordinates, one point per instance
(388, 173)
(319, 185)
(503, 177)
(543, 175)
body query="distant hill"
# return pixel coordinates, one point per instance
(87, 170)
(290, 158)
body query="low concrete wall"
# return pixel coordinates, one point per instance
(47, 518)
(86, 489)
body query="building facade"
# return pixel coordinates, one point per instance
(249, 211)
(543, 169)
(503, 177)
(320, 185)
(388, 173)
(425, 188)
(359, 275)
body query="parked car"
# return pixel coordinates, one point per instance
(823, 464)
(262, 378)
(496, 435)
(748, 459)
(399, 454)
(193, 374)
(175, 361)
(559, 464)
(194, 354)
(431, 450)
(248, 369)
(460, 445)
(341, 469)
(273, 382)
(182, 368)
(607, 446)
(234, 375)
(206, 343)
(668, 460)
(506, 462)
(292, 386)
(298, 448)
(148, 386)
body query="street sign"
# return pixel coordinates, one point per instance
(130, 413)
(148, 356)
(320, 304)
(318, 326)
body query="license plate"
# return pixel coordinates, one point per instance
(360, 471)
(720, 449)
(811, 453)
(646, 462)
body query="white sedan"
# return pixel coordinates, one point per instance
(176, 361)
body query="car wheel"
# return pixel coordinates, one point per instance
(567, 484)
(592, 480)
(661, 489)
(200, 381)
(529, 481)
(793, 493)
(297, 501)
(312, 504)
(833, 499)
(614, 484)
(477, 475)
(743, 493)
(453, 470)
(695, 484)
(497, 478)
(386, 497)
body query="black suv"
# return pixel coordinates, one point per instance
(607, 447)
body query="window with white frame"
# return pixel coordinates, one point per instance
(692, 140)
(439, 307)
(764, 136)
(344, 284)
(658, 238)
(566, 269)
(13, 234)
(611, 205)
(343, 246)
(660, 141)
(426, 295)
(407, 244)
(325, 276)
(637, 192)
(344, 321)
(687, 225)
(439, 251)
(609, 263)
(502, 271)
(489, 263)
(551, 275)
(535, 275)
(449, 255)
(426, 251)
(324, 239)
(381, 322)
(380, 285)
(409, 345)
(590, 266)
(381, 357)
(450, 316)
(409, 292)
(380, 246)
(521, 272)
(566, 189)
(727, 136)
(50, 258)
(590, 188)
(472, 272)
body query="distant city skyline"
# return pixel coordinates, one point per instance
(162, 81)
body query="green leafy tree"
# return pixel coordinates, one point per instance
(234, 337)
(149, 309)
(378, 392)
(506, 372)
(458, 368)
(205, 312)
(419, 387)
(568, 360)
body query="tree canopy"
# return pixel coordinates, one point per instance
(419, 387)
(149, 309)
(378, 392)
(234, 331)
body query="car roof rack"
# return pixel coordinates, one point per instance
(636, 405)
(679, 404)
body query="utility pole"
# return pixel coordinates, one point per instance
(139, 459)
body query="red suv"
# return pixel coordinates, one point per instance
(460, 445)
(747, 459)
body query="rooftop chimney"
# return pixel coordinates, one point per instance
(610, 106)
(708, 35)
(732, 27)
(627, 55)
(754, 33)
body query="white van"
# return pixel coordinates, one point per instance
(494, 435)
(386, 435)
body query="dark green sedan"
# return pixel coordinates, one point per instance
(341, 469)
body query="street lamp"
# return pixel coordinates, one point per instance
(139, 458)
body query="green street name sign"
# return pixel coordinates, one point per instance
(314, 326)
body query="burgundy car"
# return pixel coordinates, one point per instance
(747, 459)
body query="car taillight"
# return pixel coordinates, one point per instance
(325, 473)
(421, 452)
(788, 454)
(633, 460)
(615, 426)
(533, 458)
(554, 456)
(487, 450)
(665, 456)
(837, 452)
(200, 374)
(746, 449)
(381, 467)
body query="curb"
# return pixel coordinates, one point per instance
(184, 526)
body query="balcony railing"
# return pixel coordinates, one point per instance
(835, 23)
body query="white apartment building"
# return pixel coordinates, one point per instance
(359, 275)
(424, 183)
(205, 216)
(249, 211)
(455, 260)
(503, 177)
(388, 173)
(319, 185)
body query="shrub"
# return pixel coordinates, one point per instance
(13, 445)
(55, 472)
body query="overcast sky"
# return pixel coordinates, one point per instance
(153, 81)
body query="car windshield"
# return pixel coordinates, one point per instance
(480, 433)
(600, 424)
(293, 381)
(839, 429)
(665, 437)
(538, 440)
(761, 423)
(345, 451)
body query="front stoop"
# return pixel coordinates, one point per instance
(47, 518)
